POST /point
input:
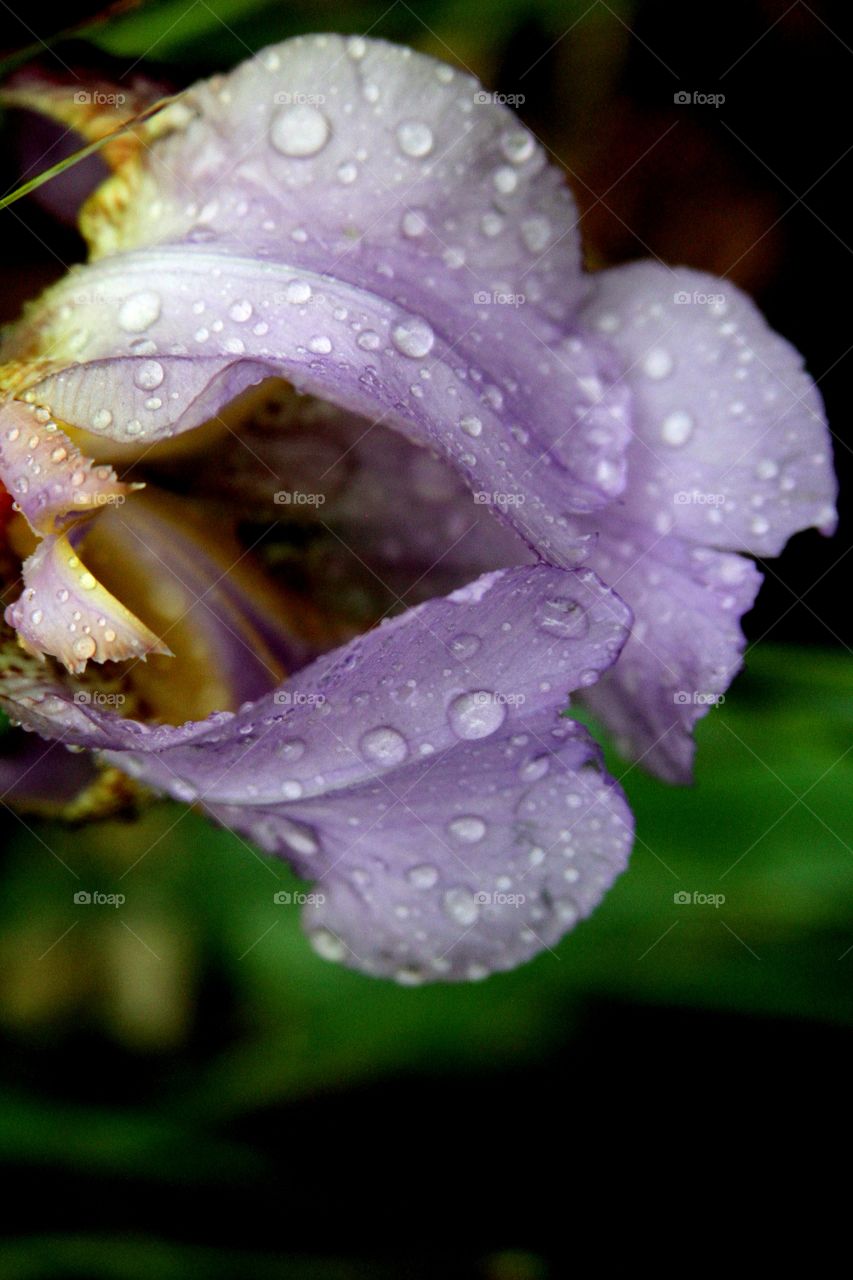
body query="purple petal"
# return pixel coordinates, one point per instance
(732, 447)
(52, 482)
(453, 705)
(41, 777)
(685, 645)
(64, 611)
(263, 259)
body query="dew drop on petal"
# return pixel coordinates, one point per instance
(415, 138)
(476, 714)
(657, 363)
(413, 337)
(327, 945)
(384, 746)
(299, 131)
(676, 428)
(139, 311)
(424, 876)
(469, 829)
(461, 907)
(148, 375)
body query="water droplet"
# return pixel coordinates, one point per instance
(149, 375)
(415, 138)
(534, 769)
(299, 131)
(563, 616)
(320, 345)
(84, 647)
(676, 428)
(471, 426)
(460, 906)
(414, 223)
(368, 341)
(327, 945)
(423, 876)
(386, 746)
(657, 363)
(102, 419)
(505, 180)
(476, 714)
(240, 311)
(297, 292)
(468, 829)
(413, 337)
(347, 173)
(300, 838)
(517, 145)
(291, 789)
(464, 646)
(139, 311)
(536, 234)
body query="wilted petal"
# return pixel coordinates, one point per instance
(455, 700)
(732, 448)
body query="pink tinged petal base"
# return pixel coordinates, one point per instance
(377, 771)
(732, 448)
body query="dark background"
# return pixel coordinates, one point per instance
(229, 1114)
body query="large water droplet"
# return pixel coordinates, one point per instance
(676, 428)
(413, 337)
(562, 616)
(424, 876)
(657, 363)
(149, 375)
(415, 138)
(327, 944)
(386, 746)
(299, 131)
(139, 311)
(469, 829)
(476, 714)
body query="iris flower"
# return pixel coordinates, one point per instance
(347, 265)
